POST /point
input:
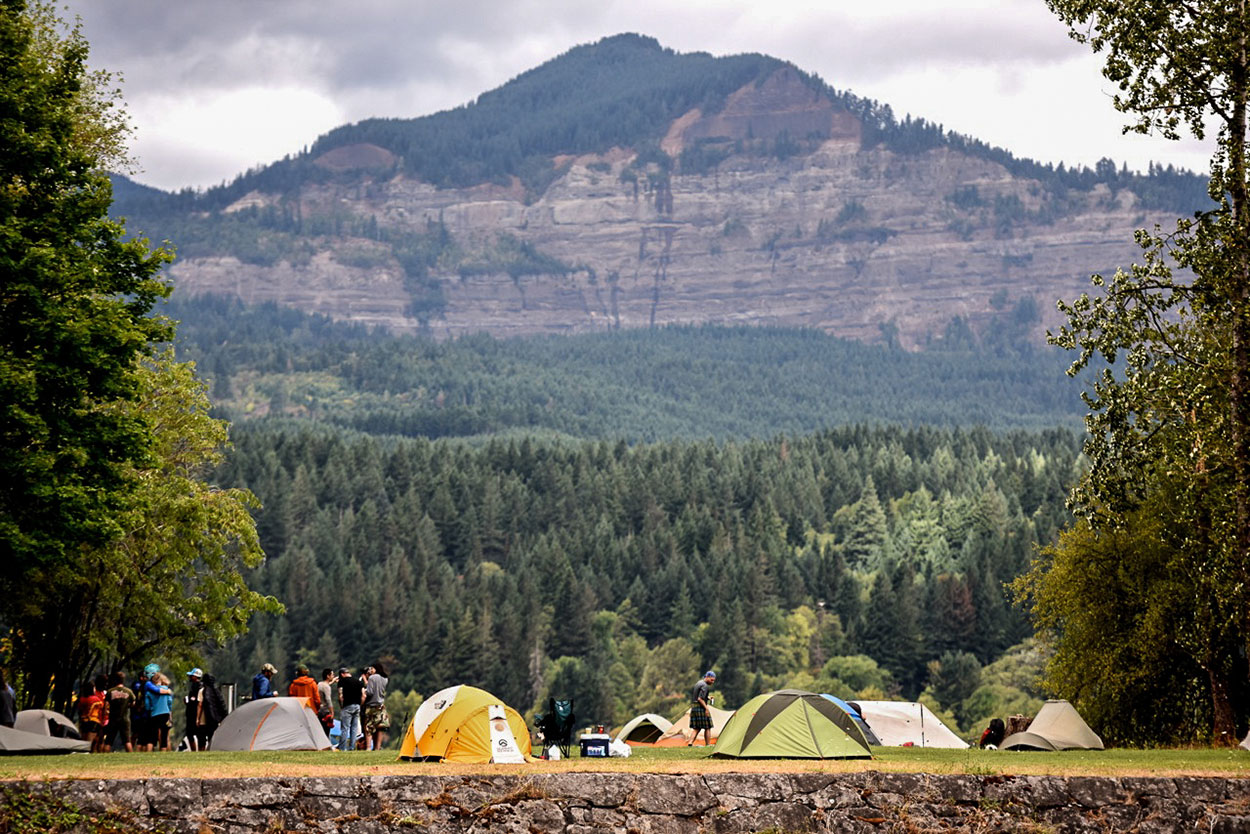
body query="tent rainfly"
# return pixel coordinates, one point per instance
(644, 730)
(680, 734)
(46, 722)
(1058, 726)
(791, 724)
(466, 724)
(19, 743)
(855, 716)
(272, 724)
(907, 724)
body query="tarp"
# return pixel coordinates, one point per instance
(905, 723)
(680, 734)
(466, 724)
(37, 721)
(791, 724)
(18, 742)
(1245, 742)
(644, 730)
(272, 724)
(1058, 726)
(855, 716)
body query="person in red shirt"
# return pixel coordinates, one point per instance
(305, 687)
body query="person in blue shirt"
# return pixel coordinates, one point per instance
(158, 698)
(262, 684)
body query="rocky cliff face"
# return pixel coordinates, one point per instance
(866, 244)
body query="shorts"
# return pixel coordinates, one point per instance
(699, 718)
(156, 731)
(118, 732)
(86, 727)
(377, 718)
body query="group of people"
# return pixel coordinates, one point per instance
(362, 716)
(115, 716)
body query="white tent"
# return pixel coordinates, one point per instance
(1058, 726)
(272, 724)
(905, 723)
(644, 729)
(680, 733)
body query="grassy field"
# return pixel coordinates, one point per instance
(1123, 762)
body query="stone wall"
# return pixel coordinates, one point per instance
(718, 803)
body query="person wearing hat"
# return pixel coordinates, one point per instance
(262, 684)
(700, 717)
(192, 700)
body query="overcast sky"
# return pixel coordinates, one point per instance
(217, 86)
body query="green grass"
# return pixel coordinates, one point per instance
(1121, 762)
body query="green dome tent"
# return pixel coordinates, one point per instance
(791, 724)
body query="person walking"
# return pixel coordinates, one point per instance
(351, 695)
(377, 720)
(700, 717)
(262, 683)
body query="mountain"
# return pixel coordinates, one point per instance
(625, 185)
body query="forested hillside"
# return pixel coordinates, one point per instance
(691, 382)
(854, 561)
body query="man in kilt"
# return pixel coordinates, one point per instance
(700, 718)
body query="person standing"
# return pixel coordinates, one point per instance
(90, 707)
(325, 691)
(351, 694)
(377, 720)
(212, 711)
(700, 716)
(8, 703)
(262, 684)
(140, 720)
(160, 704)
(121, 700)
(192, 701)
(305, 687)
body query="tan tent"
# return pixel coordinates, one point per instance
(680, 734)
(907, 724)
(1058, 726)
(644, 730)
(46, 722)
(17, 742)
(272, 724)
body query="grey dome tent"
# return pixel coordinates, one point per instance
(20, 743)
(644, 729)
(272, 724)
(1058, 726)
(46, 722)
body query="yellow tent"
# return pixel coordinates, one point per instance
(466, 724)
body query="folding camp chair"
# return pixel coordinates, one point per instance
(556, 726)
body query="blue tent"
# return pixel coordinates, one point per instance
(854, 713)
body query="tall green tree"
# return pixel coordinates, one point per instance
(172, 582)
(75, 303)
(1169, 421)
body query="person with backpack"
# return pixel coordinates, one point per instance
(121, 700)
(212, 710)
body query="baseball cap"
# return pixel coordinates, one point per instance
(269, 667)
(151, 669)
(195, 673)
(709, 674)
(343, 670)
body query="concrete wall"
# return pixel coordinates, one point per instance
(720, 803)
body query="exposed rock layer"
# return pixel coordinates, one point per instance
(854, 242)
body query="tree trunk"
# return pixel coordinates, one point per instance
(1223, 723)
(1239, 82)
